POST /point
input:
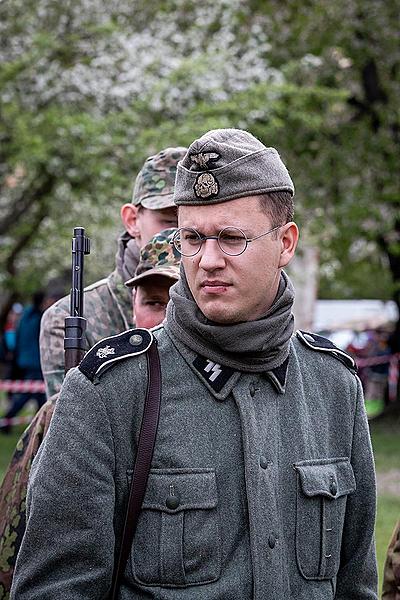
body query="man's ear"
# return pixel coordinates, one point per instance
(129, 218)
(288, 240)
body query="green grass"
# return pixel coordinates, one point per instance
(386, 444)
(385, 436)
(7, 445)
(387, 515)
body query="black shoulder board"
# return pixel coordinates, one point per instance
(113, 349)
(321, 344)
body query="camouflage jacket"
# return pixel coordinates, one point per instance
(13, 494)
(391, 576)
(108, 310)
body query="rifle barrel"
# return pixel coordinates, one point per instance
(75, 324)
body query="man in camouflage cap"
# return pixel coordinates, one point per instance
(262, 482)
(158, 269)
(108, 310)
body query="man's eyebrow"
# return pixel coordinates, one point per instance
(247, 232)
(198, 229)
(210, 226)
(217, 230)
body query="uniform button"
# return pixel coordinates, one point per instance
(333, 487)
(135, 340)
(172, 502)
(271, 541)
(264, 462)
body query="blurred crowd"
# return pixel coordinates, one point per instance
(374, 352)
(20, 354)
(374, 375)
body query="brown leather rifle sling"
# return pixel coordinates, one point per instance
(147, 437)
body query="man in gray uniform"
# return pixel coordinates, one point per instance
(262, 483)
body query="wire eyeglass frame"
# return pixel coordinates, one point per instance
(202, 238)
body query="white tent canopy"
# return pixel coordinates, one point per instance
(358, 315)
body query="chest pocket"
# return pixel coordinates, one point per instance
(322, 489)
(177, 541)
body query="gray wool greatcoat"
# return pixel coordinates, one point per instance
(272, 478)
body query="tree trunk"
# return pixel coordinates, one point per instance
(304, 272)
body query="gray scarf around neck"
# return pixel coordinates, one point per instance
(252, 346)
(127, 257)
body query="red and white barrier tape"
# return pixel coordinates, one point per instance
(16, 421)
(21, 385)
(376, 360)
(37, 386)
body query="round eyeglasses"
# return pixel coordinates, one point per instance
(231, 240)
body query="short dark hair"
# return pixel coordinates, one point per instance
(279, 206)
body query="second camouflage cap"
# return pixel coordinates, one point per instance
(158, 257)
(154, 185)
(229, 163)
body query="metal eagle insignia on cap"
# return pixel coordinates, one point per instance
(206, 185)
(202, 158)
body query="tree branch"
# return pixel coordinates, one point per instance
(27, 200)
(25, 239)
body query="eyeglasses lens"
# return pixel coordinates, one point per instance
(232, 241)
(187, 241)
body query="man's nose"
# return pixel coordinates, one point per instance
(211, 256)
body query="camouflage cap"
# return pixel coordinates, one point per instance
(229, 163)
(157, 257)
(154, 185)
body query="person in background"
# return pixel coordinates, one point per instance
(7, 343)
(377, 375)
(27, 355)
(107, 303)
(158, 269)
(10, 328)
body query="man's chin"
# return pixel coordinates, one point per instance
(218, 315)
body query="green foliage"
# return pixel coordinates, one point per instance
(386, 443)
(87, 92)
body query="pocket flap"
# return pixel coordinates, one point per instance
(330, 477)
(173, 490)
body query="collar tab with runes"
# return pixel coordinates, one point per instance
(203, 158)
(322, 344)
(114, 349)
(213, 373)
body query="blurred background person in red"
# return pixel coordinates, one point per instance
(8, 341)
(26, 355)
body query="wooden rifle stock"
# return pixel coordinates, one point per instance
(75, 324)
